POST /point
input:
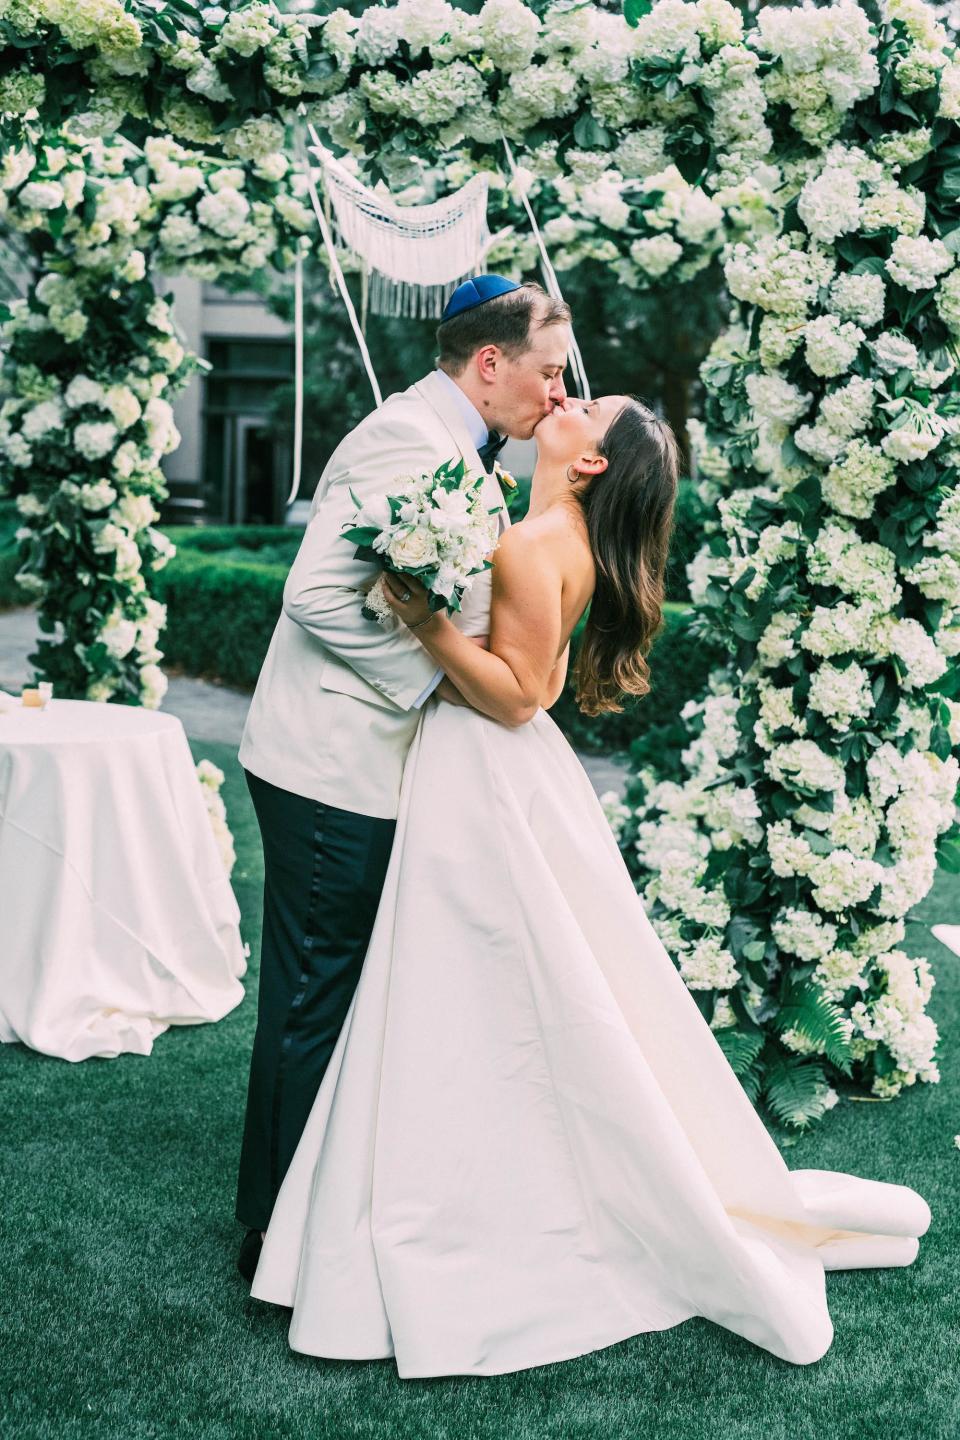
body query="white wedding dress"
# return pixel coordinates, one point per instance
(528, 1144)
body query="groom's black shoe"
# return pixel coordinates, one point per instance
(250, 1247)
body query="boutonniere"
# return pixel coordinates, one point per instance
(504, 476)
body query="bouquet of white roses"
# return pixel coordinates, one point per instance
(434, 527)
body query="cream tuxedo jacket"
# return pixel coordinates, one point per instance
(332, 715)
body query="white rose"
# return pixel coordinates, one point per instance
(413, 549)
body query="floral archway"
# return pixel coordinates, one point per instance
(818, 154)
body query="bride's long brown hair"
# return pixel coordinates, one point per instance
(629, 510)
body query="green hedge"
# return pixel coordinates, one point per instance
(273, 544)
(221, 614)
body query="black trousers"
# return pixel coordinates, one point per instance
(323, 874)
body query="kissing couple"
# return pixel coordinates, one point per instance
(487, 1125)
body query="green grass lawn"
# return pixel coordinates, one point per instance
(123, 1314)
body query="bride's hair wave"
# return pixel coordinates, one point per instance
(629, 510)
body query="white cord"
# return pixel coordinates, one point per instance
(551, 283)
(298, 375)
(335, 264)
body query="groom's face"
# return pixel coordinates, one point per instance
(529, 387)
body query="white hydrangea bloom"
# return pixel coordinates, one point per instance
(41, 195)
(779, 640)
(890, 206)
(892, 351)
(864, 570)
(803, 762)
(839, 972)
(153, 686)
(774, 397)
(603, 200)
(829, 203)
(938, 577)
(509, 32)
(655, 254)
(852, 483)
(860, 298)
(95, 438)
(670, 31)
(841, 695)
(848, 408)
(837, 629)
(41, 419)
(708, 965)
(96, 495)
(776, 275)
(119, 635)
(831, 345)
(916, 261)
(641, 152)
(803, 933)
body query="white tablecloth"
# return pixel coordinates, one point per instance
(116, 914)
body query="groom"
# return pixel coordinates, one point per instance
(337, 704)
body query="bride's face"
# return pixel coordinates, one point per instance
(574, 429)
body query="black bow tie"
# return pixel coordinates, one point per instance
(490, 449)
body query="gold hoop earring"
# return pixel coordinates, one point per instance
(575, 476)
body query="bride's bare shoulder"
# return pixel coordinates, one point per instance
(558, 535)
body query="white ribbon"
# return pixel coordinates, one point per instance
(298, 313)
(550, 281)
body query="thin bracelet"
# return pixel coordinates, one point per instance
(422, 622)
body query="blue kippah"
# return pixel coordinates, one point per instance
(475, 292)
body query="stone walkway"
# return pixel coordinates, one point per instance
(208, 711)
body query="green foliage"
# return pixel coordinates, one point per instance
(263, 544)
(10, 593)
(742, 1048)
(794, 1090)
(819, 1020)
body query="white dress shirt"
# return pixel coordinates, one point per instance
(479, 430)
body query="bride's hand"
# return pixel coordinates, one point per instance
(407, 598)
(447, 691)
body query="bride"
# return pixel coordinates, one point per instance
(528, 1143)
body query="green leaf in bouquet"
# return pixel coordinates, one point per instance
(634, 10)
(368, 554)
(360, 534)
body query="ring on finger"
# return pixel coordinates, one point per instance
(405, 597)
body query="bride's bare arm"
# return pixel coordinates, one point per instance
(510, 681)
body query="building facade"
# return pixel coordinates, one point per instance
(231, 467)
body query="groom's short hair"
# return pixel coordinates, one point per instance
(508, 320)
